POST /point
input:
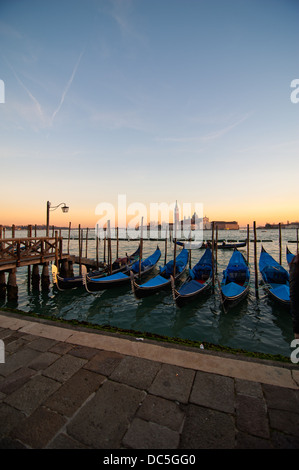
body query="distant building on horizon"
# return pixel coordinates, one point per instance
(282, 225)
(223, 225)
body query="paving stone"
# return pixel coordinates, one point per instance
(43, 360)
(70, 396)
(136, 372)
(146, 435)
(213, 391)
(246, 441)
(61, 348)
(9, 418)
(207, 429)
(42, 344)
(162, 411)
(16, 380)
(13, 346)
(10, 337)
(32, 394)
(104, 362)
(10, 444)
(280, 440)
(285, 421)
(63, 441)
(64, 368)
(83, 351)
(251, 416)
(282, 398)
(17, 360)
(5, 333)
(102, 422)
(28, 337)
(37, 430)
(173, 382)
(295, 375)
(246, 387)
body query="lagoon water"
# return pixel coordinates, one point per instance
(256, 325)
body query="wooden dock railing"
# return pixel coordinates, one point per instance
(26, 251)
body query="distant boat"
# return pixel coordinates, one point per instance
(275, 277)
(235, 282)
(120, 264)
(202, 245)
(162, 280)
(122, 278)
(198, 281)
(290, 256)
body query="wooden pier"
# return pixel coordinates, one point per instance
(31, 252)
(27, 251)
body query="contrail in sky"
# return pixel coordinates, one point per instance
(67, 88)
(36, 102)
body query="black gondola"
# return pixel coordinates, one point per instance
(122, 278)
(119, 265)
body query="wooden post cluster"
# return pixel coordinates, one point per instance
(39, 248)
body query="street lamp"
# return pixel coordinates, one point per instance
(64, 208)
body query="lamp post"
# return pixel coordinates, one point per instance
(64, 208)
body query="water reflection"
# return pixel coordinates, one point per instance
(254, 324)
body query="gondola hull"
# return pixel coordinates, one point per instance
(119, 265)
(122, 278)
(235, 295)
(201, 246)
(160, 282)
(234, 286)
(65, 283)
(198, 282)
(182, 299)
(290, 256)
(275, 278)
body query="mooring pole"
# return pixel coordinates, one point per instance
(247, 243)
(213, 265)
(255, 262)
(279, 230)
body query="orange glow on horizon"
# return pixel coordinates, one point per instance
(87, 218)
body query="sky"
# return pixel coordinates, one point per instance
(158, 101)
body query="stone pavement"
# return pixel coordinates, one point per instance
(64, 387)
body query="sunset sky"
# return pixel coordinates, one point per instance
(158, 100)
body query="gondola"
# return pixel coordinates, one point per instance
(208, 244)
(163, 279)
(198, 281)
(235, 282)
(290, 256)
(275, 277)
(119, 265)
(122, 278)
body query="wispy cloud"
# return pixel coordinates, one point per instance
(114, 120)
(37, 105)
(66, 89)
(43, 118)
(209, 137)
(121, 14)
